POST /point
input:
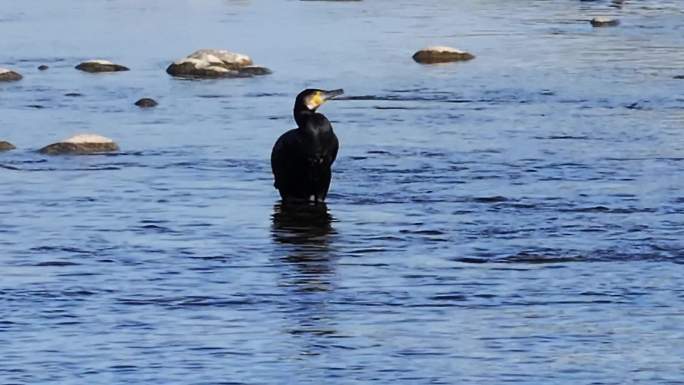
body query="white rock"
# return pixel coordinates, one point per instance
(221, 56)
(603, 21)
(441, 48)
(81, 144)
(204, 64)
(215, 63)
(99, 61)
(87, 138)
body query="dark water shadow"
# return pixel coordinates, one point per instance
(305, 234)
(302, 224)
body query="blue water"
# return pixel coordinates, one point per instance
(518, 218)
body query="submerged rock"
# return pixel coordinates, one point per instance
(440, 54)
(9, 75)
(81, 145)
(215, 63)
(43, 67)
(94, 66)
(601, 21)
(6, 146)
(146, 103)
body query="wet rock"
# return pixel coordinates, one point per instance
(601, 21)
(146, 103)
(6, 146)
(43, 67)
(215, 63)
(255, 70)
(9, 75)
(441, 54)
(95, 66)
(81, 145)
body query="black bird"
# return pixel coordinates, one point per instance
(302, 157)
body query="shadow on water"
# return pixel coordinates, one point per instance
(305, 233)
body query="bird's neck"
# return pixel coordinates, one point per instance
(313, 125)
(303, 116)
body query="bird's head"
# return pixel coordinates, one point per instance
(311, 99)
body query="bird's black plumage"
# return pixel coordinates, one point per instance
(301, 159)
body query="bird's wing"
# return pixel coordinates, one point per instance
(280, 156)
(332, 154)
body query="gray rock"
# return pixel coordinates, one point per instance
(43, 67)
(9, 75)
(440, 54)
(146, 103)
(601, 21)
(194, 70)
(214, 64)
(6, 146)
(95, 66)
(81, 145)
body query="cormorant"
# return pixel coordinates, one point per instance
(302, 157)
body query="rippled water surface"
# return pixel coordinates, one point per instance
(514, 219)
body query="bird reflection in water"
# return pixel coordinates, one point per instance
(304, 232)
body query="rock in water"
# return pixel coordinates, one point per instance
(215, 63)
(94, 66)
(602, 21)
(441, 54)
(43, 67)
(146, 103)
(6, 146)
(82, 144)
(254, 71)
(9, 75)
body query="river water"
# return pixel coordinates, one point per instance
(514, 219)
